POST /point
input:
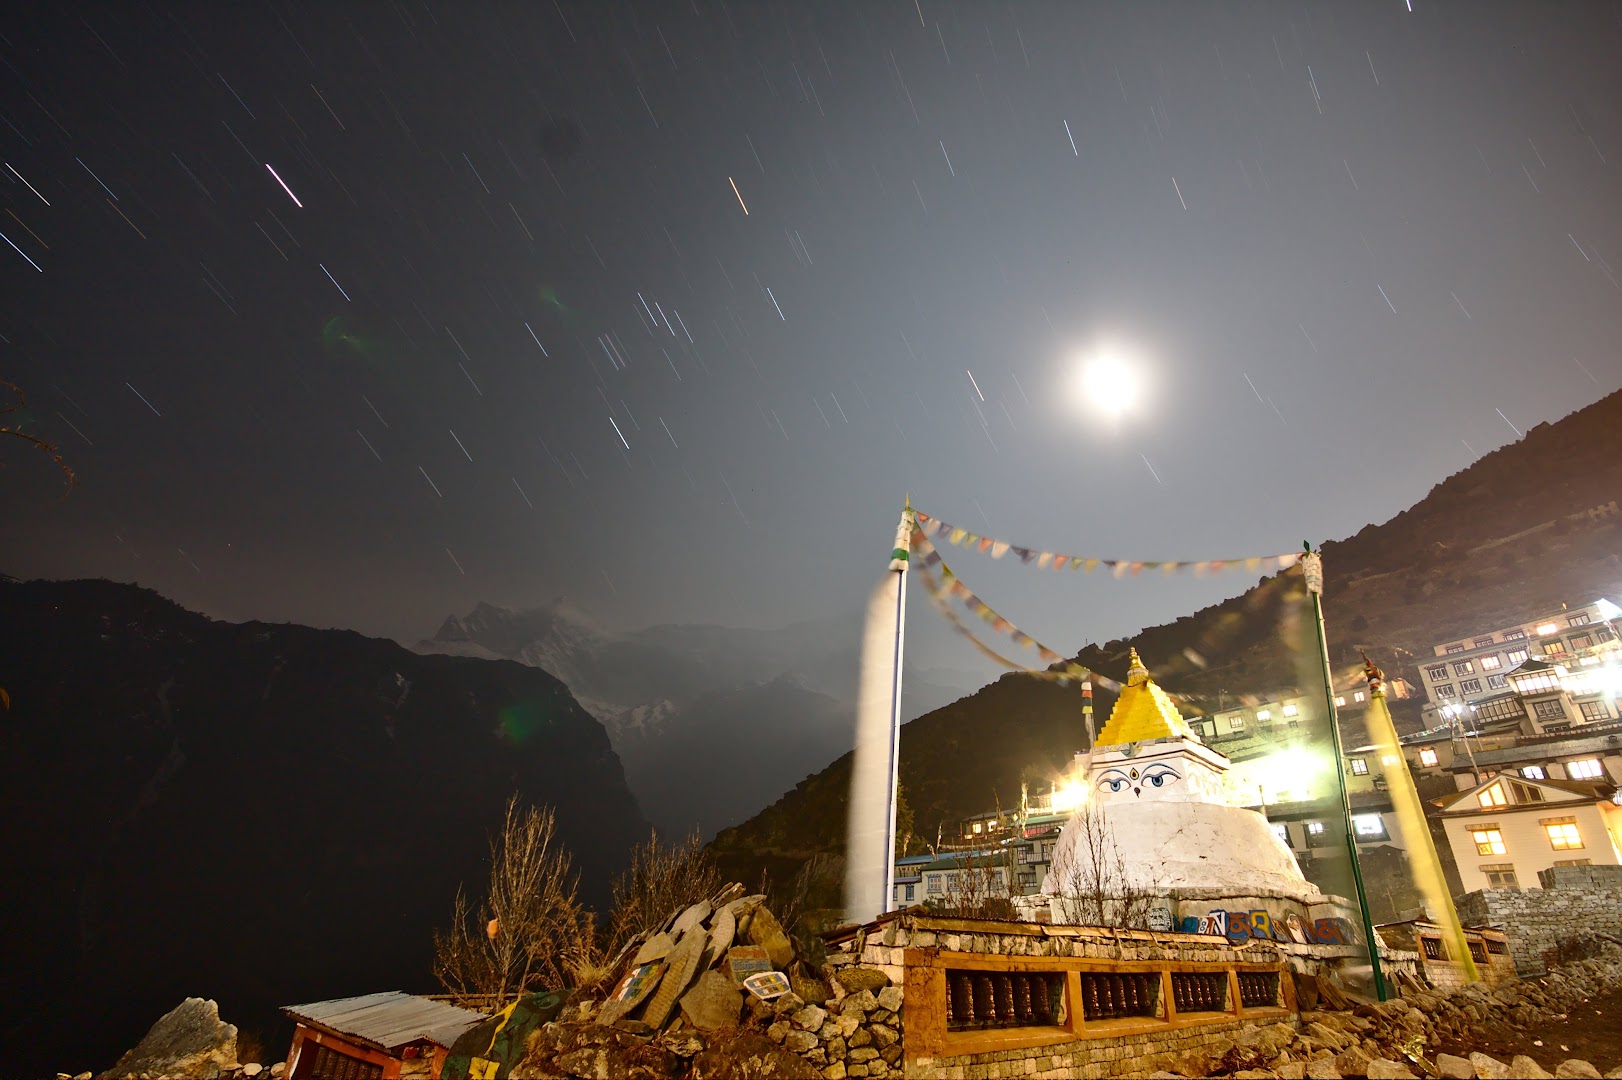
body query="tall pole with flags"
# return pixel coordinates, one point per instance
(870, 851)
(899, 561)
(1312, 568)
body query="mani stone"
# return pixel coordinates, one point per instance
(657, 948)
(745, 960)
(615, 1008)
(767, 932)
(856, 979)
(713, 1003)
(691, 918)
(683, 962)
(722, 928)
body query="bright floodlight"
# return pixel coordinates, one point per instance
(1109, 384)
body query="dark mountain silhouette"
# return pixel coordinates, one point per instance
(260, 814)
(1519, 532)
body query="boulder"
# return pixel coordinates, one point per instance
(1452, 1067)
(1488, 1068)
(1523, 1066)
(252, 1069)
(811, 1017)
(799, 1042)
(1322, 1069)
(189, 1040)
(1386, 1069)
(856, 979)
(1576, 1067)
(1292, 1070)
(712, 1004)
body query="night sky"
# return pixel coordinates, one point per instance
(356, 314)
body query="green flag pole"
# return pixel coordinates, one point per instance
(1312, 569)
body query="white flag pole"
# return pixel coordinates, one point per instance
(899, 559)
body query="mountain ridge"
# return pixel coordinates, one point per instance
(1527, 526)
(261, 813)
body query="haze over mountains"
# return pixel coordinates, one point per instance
(711, 722)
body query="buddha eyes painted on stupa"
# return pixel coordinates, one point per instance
(1156, 775)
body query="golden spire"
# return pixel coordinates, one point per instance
(1136, 673)
(1143, 712)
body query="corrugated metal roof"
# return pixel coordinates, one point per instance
(390, 1020)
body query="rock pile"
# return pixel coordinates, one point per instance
(1387, 1041)
(681, 1006)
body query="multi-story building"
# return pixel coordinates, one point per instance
(1470, 671)
(1506, 829)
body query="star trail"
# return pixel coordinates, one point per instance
(835, 252)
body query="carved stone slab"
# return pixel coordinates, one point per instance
(683, 964)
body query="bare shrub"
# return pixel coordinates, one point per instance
(1094, 889)
(529, 931)
(658, 881)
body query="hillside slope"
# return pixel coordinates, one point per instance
(1508, 537)
(258, 814)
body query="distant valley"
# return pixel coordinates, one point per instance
(711, 722)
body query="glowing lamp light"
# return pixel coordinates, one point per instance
(1546, 629)
(1066, 797)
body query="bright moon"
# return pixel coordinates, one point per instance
(1109, 384)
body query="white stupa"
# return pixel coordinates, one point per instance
(1158, 799)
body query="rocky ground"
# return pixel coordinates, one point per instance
(1561, 1025)
(1535, 1028)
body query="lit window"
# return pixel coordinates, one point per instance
(1584, 770)
(1282, 830)
(1315, 828)
(1360, 766)
(1464, 667)
(1491, 663)
(1489, 841)
(976, 826)
(1493, 796)
(1563, 836)
(1368, 825)
(1546, 629)
(1427, 758)
(1340, 699)
(1236, 722)
(1290, 710)
(1358, 696)
(1554, 648)
(1517, 655)
(1534, 772)
(1264, 714)
(1582, 641)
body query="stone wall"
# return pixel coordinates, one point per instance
(1574, 902)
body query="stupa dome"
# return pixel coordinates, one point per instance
(1158, 812)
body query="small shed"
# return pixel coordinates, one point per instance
(383, 1036)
